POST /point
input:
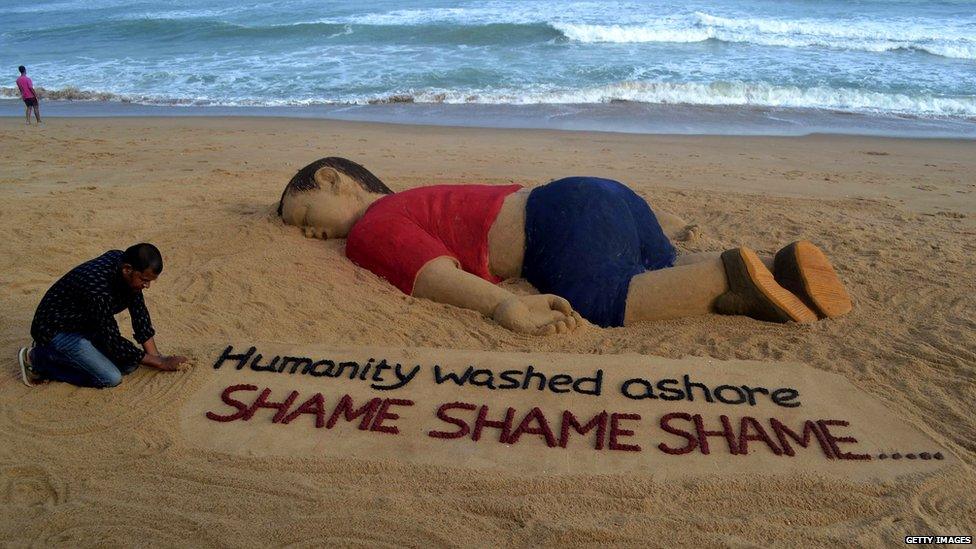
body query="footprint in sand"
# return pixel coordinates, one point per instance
(29, 486)
(113, 532)
(350, 535)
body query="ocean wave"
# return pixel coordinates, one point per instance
(180, 29)
(75, 94)
(525, 13)
(863, 36)
(702, 94)
(621, 34)
(914, 29)
(162, 29)
(439, 27)
(725, 94)
(66, 94)
(431, 33)
(913, 34)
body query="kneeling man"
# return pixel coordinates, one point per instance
(74, 328)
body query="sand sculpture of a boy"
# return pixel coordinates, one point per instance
(592, 247)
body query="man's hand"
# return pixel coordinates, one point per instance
(166, 363)
(172, 363)
(537, 315)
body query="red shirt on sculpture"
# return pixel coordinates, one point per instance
(401, 232)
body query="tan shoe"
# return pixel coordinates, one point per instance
(754, 292)
(803, 269)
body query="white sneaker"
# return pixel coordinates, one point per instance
(27, 374)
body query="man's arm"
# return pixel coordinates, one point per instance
(107, 338)
(149, 346)
(142, 327)
(441, 280)
(120, 350)
(145, 334)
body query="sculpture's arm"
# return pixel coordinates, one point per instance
(443, 281)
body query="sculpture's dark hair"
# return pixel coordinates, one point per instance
(143, 256)
(304, 180)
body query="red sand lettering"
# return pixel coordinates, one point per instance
(752, 430)
(609, 429)
(375, 415)
(535, 422)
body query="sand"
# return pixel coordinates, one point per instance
(108, 468)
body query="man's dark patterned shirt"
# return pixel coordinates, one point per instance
(86, 300)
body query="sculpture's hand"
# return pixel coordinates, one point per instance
(537, 315)
(442, 281)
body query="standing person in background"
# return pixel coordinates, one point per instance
(27, 93)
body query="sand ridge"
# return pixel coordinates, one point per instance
(85, 467)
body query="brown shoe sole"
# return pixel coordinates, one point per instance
(753, 283)
(803, 269)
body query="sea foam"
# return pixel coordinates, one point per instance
(718, 93)
(863, 35)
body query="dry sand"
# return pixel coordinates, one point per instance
(109, 468)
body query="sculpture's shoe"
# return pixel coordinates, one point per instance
(753, 291)
(803, 269)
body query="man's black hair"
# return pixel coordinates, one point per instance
(22, 69)
(304, 180)
(144, 256)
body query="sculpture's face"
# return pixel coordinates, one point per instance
(330, 210)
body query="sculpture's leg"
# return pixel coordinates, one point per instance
(700, 284)
(687, 289)
(688, 259)
(672, 225)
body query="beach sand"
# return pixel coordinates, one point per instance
(109, 468)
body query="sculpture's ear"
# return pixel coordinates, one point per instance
(327, 178)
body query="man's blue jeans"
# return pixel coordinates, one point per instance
(73, 359)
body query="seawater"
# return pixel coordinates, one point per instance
(889, 57)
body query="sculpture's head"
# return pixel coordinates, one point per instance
(328, 196)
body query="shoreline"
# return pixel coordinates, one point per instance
(615, 117)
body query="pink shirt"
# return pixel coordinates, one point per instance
(25, 86)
